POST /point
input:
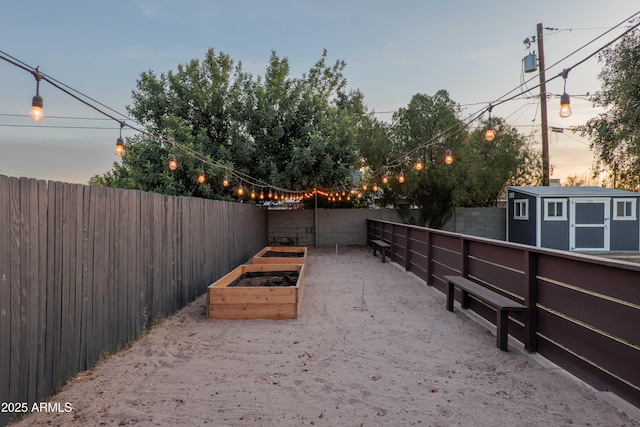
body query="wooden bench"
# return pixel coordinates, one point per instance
(382, 245)
(502, 304)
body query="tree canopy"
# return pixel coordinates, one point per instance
(275, 131)
(291, 133)
(615, 134)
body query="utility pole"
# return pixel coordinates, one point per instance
(543, 109)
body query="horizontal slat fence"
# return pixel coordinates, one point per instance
(584, 311)
(84, 270)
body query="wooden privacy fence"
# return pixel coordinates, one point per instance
(584, 311)
(84, 270)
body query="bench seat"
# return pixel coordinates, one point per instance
(382, 245)
(502, 304)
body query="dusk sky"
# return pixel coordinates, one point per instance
(393, 50)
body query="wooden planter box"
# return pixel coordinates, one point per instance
(291, 255)
(255, 302)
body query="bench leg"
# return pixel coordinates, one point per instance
(502, 326)
(450, 297)
(465, 299)
(374, 249)
(382, 251)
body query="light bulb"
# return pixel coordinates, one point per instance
(375, 188)
(240, 190)
(270, 195)
(364, 187)
(37, 113)
(489, 132)
(119, 147)
(385, 179)
(419, 165)
(202, 178)
(173, 163)
(565, 105)
(448, 158)
(225, 181)
(253, 194)
(401, 177)
(261, 195)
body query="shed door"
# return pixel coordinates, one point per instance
(589, 225)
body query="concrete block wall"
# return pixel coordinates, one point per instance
(349, 226)
(335, 226)
(481, 222)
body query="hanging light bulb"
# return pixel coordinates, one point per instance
(202, 178)
(120, 150)
(565, 99)
(261, 195)
(385, 179)
(489, 132)
(37, 113)
(270, 195)
(401, 177)
(173, 162)
(253, 193)
(364, 187)
(448, 157)
(240, 190)
(225, 181)
(419, 165)
(375, 188)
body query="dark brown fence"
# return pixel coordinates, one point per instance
(584, 311)
(84, 270)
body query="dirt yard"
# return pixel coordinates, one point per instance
(398, 358)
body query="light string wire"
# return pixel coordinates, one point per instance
(399, 161)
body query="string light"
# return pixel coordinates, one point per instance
(240, 190)
(419, 164)
(489, 132)
(253, 193)
(120, 150)
(565, 99)
(375, 188)
(37, 112)
(202, 177)
(225, 181)
(385, 179)
(401, 177)
(448, 157)
(173, 162)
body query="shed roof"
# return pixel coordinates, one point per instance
(574, 191)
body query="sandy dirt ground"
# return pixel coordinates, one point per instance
(403, 361)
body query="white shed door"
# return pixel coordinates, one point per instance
(589, 224)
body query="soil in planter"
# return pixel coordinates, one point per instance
(267, 278)
(276, 254)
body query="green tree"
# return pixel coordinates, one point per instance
(424, 131)
(615, 134)
(293, 133)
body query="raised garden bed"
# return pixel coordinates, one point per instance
(257, 291)
(281, 255)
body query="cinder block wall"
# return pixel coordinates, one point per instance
(349, 226)
(481, 222)
(335, 226)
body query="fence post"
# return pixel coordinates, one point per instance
(407, 258)
(530, 300)
(429, 243)
(392, 241)
(464, 253)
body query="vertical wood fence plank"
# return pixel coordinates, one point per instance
(65, 289)
(109, 297)
(32, 289)
(16, 283)
(5, 293)
(99, 274)
(89, 225)
(77, 195)
(25, 285)
(56, 298)
(42, 368)
(50, 286)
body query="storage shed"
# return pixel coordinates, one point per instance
(574, 218)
